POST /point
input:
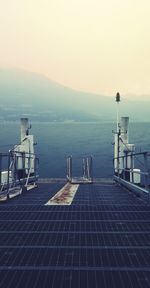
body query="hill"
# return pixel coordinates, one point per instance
(26, 94)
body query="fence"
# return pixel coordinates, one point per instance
(17, 170)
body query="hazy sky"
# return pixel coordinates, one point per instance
(93, 45)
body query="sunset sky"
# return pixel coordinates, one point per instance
(89, 45)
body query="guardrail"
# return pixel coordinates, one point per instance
(128, 176)
(13, 178)
(86, 165)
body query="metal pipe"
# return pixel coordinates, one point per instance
(146, 170)
(0, 170)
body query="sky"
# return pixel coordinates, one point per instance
(100, 46)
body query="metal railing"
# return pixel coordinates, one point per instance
(14, 177)
(87, 170)
(127, 176)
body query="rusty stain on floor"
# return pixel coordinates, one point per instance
(64, 196)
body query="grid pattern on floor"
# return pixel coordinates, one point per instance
(102, 238)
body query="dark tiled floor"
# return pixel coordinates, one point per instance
(101, 240)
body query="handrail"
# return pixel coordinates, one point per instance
(121, 171)
(12, 179)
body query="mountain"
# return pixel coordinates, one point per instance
(26, 94)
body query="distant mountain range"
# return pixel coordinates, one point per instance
(25, 94)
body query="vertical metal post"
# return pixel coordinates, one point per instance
(24, 164)
(132, 176)
(117, 100)
(69, 168)
(118, 133)
(88, 171)
(15, 161)
(34, 161)
(91, 168)
(0, 170)
(84, 167)
(35, 166)
(126, 153)
(123, 160)
(119, 159)
(146, 170)
(8, 169)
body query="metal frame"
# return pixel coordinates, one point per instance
(121, 178)
(87, 167)
(15, 182)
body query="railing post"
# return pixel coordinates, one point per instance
(84, 166)
(0, 170)
(132, 176)
(126, 166)
(69, 168)
(118, 152)
(9, 155)
(123, 161)
(91, 168)
(15, 163)
(146, 170)
(88, 170)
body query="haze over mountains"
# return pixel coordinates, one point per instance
(25, 94)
